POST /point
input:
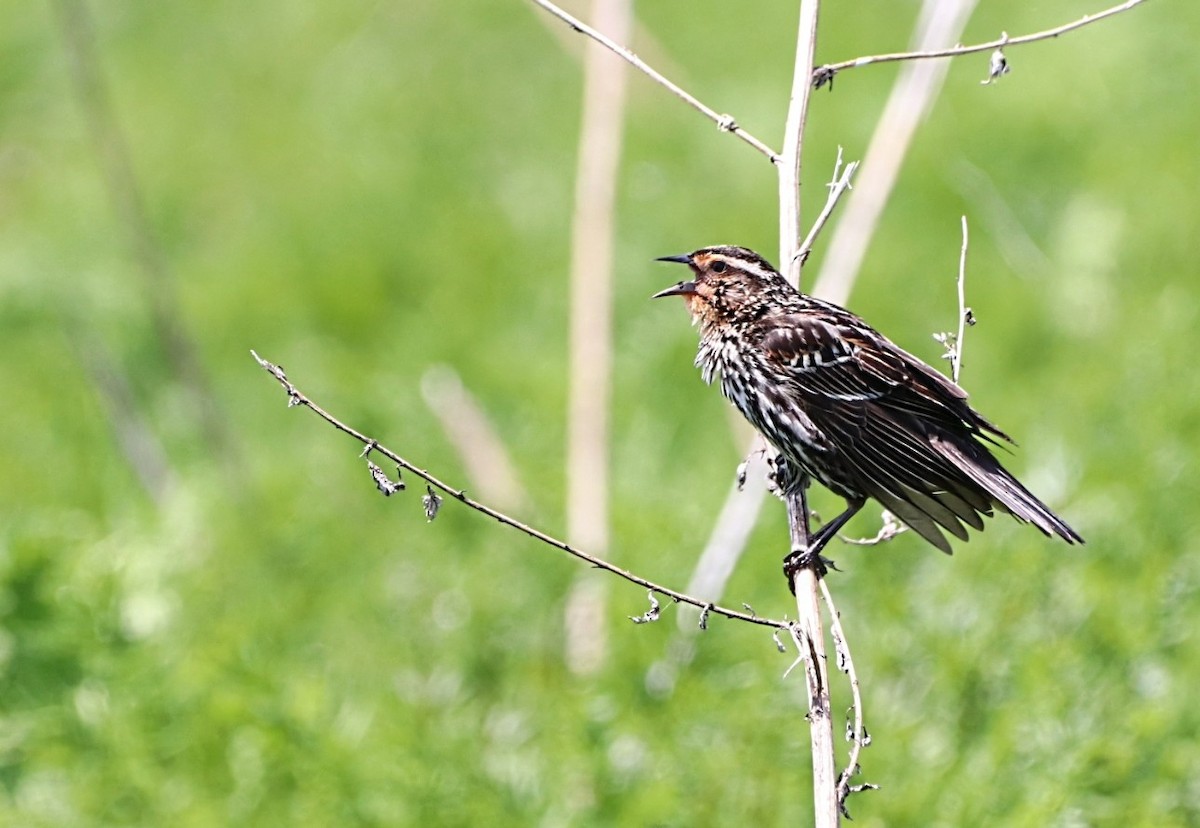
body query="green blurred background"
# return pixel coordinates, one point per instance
(251, 635)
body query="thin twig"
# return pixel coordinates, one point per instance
(838, 185)
(952, 341)
(649, 45)
(590, 337)
(295, 397)
(725, 123)
(964, 313)
(824, 74)
(858, 734)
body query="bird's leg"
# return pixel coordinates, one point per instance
(799, 559)
(784, 477)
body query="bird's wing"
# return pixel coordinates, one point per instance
(867, 398)
(903, 430)
(825, 361)
(836, 359)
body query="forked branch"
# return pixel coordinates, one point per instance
(837, 187)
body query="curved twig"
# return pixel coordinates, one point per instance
(858, 734)
(295, 397)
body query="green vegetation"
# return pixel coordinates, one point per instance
(360, 191)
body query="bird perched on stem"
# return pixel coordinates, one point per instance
(845, 406)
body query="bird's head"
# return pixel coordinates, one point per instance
(725, 281)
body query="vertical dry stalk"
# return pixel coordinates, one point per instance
(939, 19)
(793, 137)
(810, 635)
(590, 360)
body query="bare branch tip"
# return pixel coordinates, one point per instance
(294, 396)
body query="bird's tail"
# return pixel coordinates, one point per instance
(977, 463)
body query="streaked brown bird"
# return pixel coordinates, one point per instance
(847, 407)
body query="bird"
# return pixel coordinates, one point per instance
(843, 405)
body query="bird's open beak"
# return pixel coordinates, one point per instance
(681, 289)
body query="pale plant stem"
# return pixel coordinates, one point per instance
(808, 633)
(816, 673)
(131, 428)
(956, 366)
(839, 185)
(480, 449)
(999, 43)
(590, 329)
(789, 166)
(738, 516)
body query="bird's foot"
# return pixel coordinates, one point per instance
(799, 559)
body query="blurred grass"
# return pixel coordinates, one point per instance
(360, 191)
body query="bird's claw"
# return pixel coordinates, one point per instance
(799, 559)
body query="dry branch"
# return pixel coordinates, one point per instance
(296, 398)
(825, 74)
(590, 347)
(808, 633)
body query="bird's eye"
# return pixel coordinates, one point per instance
(718, 266)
